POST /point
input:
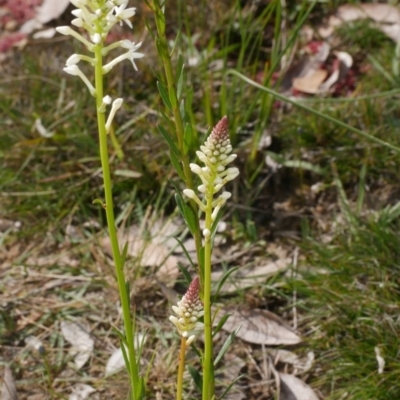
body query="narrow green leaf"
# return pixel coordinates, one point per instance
(125, 355)
(197, 351)
(123, 254)
(98, 201)
(149, 28)
(189, 97)
(141, 389)
(179, 67)
(160, 48)
(166, 119)
(180, 76)
(182, 109)
(197, 378)
(120, 335)
(186, 252)
(140, 347)
(187, 213)
(178, 36)
(226, 345)
(221, 323)
(185, 273)
(128, 289)
(164, 95)
(191, 219)
(168, 139)
(172, 97)
(226, 275)
(188, 137)
(230, 386)
(177, 165)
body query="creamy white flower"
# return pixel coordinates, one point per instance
(96, 38)
(74, 70)
(116, 105)
(66, 30)
(123, 14)
(206, 233)
(77, 22)
(130, 55)
(189, 193)
(107, 100)
(74, 59)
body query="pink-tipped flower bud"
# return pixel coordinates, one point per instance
(220, 132)
(189, 310)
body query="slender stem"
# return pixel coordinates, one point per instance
(179, 388)
(125, 301)
(208, 381)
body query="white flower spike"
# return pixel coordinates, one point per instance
(214, 175)
(97, 18)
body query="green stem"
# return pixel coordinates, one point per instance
(125, 300)
(179, 388)
(208, 376)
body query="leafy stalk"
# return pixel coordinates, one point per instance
(162, 46)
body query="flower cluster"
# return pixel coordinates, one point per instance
(97, 17)
(215, 154)
(189, 310)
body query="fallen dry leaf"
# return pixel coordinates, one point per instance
(149, 253)
(46, 12)
(81, 391)
(50, 10)
(79, 338)
(310, 84)
(293, 388)
(8, 391)
(6, 224)
(258, 326)
(316, 55)
(116, 362)
(288, 357)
